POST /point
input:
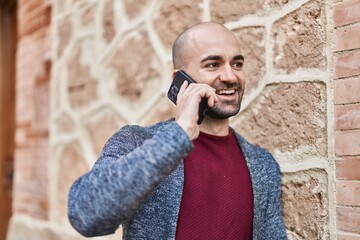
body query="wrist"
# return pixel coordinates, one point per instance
(191, 131)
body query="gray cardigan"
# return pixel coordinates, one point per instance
(138, 179)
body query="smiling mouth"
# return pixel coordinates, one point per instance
(226, 92)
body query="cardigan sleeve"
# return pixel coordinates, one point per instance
(132, 164)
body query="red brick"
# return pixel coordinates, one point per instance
(22, 2)
(348, 193)
(31, 178)
(346, 12)
(347, 143)
(347, 64)
(348, 169)
(347, 116)
(348, 219)
(347, 91)
(32, 109)
(34, 5)
(343, 236)
(31, 20)
(21, 140)
(347, 38)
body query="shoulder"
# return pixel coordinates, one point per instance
(129, 137)
(137, 132)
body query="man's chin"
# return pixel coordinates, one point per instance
(218, 113)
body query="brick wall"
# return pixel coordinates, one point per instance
(32, 109)
(346, 91)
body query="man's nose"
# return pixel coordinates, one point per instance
(227, 74)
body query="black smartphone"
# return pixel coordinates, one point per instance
(179, 79)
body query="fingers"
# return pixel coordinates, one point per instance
(187, 105)
(193, 93)
(190, 96)
(211, 96)
(199, 91)
(181, 91)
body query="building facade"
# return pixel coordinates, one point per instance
(85, 68)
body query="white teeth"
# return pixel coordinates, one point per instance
(226, 92)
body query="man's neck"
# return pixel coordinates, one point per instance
(217, 127)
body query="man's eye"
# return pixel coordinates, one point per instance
(212, 65)
(238, 64)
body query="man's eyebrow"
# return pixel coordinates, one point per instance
(212, 58)
(239, 57)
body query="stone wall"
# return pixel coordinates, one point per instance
(111, 65)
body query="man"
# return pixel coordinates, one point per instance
(180, 180)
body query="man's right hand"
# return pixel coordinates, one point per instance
(187, 106)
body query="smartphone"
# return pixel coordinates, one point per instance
(174, 89)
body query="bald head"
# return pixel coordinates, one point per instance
(181, 46)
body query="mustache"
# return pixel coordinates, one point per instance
(226, 85)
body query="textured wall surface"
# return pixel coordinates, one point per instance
(111, 66)
(33, 73)
(346, 91)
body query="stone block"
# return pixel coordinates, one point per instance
(305, 204)
(101, 126)
(82, 95)
(287, 116)
(64, 124)
(108, 21)
(277, 3)
(88, 17)
(227, 11)
(162, 110)
(135, 8)
(299, 39)
(71, 165)
(174, 17)
(64, 30)
(252, 43)
(81, 84)
(136, 65)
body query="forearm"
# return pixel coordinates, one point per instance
(109, 194)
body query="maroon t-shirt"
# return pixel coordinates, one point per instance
(217, 200)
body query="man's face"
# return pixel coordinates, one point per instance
(214, 58)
